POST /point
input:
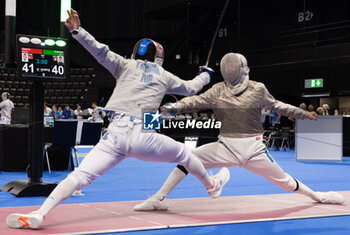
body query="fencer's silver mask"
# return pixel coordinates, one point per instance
(234, 67)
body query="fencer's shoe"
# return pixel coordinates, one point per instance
(152, 203)
(330, 197)
(220, 180)
(32, 220)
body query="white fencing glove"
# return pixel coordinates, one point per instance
(206, 73)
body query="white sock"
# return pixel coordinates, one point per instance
(306, 191)
(63, 191)
(196, 168)
(175, 177)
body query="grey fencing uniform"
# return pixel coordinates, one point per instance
(238, 107)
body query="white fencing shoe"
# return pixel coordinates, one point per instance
(220, 180)
(330, 197)
(152, 203)
(32, 220)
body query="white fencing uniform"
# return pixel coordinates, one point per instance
(121, 142)
(6, 107)
(140, 85)
(249, 153)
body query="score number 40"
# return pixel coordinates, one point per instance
(56, 69)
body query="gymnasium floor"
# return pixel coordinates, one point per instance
(134, 180)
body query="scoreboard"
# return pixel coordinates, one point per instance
(41, 58)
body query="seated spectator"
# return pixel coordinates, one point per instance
(302, 106)
(275, 119)
(319, 110)
(310, 108)
(336, 112)
(78, 112)
(60, 110)
(67, 113)
(325, 109)
(56, 114)
(47, 110)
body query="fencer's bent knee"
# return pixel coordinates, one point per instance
(81, 178)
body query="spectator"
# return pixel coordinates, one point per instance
(325, 109)
(78, 112)
(97, 114)
(336, 112)
(212, 116)
(275, 119)
(264, 112)
(311, 108)
(319, 110)
(302, 106)
(67, 112)
(6, 107)
(60, 110)
(47, 110)
(55, 113)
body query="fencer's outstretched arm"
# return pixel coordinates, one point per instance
(110, 60)
(188, 88)
(268, 101)
(206, 100)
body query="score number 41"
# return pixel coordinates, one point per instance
(56, 69)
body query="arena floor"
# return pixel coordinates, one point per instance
(250, 204)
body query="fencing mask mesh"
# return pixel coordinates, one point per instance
(234, 69)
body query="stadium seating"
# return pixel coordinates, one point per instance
(71, 91)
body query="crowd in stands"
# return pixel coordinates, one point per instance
(94, 113)
(322, 110)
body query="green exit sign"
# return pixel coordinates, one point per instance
(314, 83)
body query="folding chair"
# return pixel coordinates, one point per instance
(91, 133)
(285, 136)
(64, 135)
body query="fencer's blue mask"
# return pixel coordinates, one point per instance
(143, 47)
(149, 50)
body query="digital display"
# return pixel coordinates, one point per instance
(42, 62)
(40, 57)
